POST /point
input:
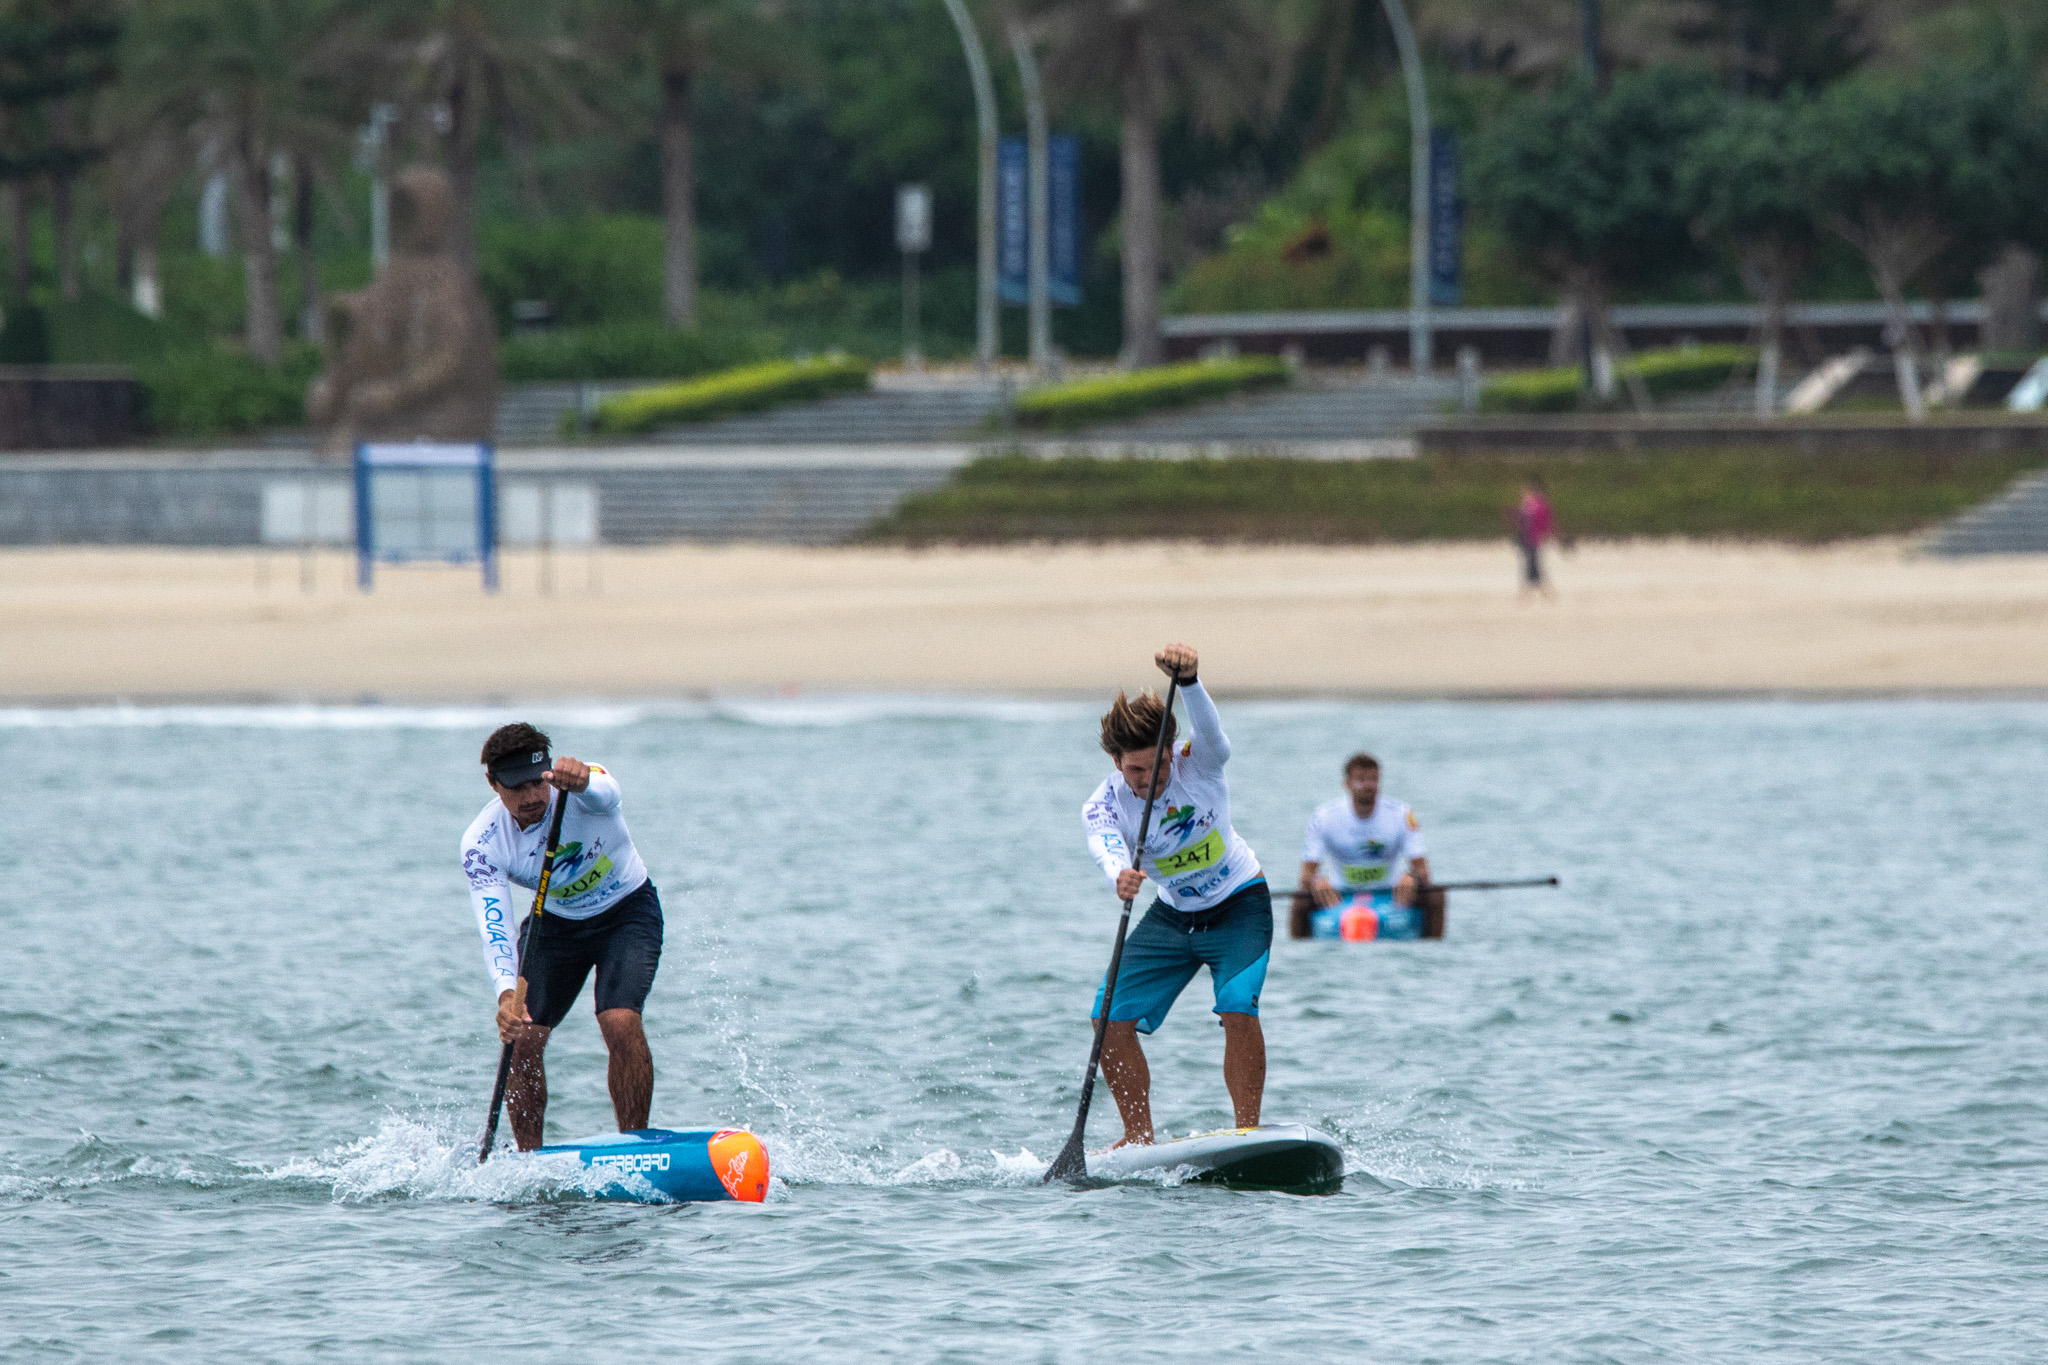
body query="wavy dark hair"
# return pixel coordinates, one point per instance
(1132, 723)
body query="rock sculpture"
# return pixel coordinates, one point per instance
(2012, 301)
(415, 355)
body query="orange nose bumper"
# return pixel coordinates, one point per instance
(741, 1163)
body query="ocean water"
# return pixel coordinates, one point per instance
(1765, 1080)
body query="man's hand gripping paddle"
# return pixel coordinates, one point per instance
(1072, 1163)
(540, 901)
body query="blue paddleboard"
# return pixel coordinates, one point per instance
(1364, 916)
(701, 1164)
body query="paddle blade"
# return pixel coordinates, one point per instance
(1071, 1165)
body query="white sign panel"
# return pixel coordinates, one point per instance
(913, 218)
(308, 511)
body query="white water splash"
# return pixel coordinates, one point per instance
(930, 1169)
(408, 1158)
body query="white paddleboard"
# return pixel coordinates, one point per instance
(1273, 1156)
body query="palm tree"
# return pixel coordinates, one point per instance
(469, 63)
(255, 81)
(682, 39)
(1214, 56)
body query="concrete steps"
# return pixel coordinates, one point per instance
(531, 414)
(2014, 523)
(787, 505)
(878, 417)
(1313, 413)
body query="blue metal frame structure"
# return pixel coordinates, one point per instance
(372, 458)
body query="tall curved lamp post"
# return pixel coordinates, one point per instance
(1039, 268)
(1419, 347)
(985, 227)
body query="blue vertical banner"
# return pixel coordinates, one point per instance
(1446, 221)
(1013, 220)
(1063, 204)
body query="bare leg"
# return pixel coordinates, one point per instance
(1244, 1066)
(631, 1073)
(526, 1093)
(1130, 1080)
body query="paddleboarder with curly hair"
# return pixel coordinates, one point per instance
(602, 914)
(1213, 909)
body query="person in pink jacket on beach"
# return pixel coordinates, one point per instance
(1534, 524)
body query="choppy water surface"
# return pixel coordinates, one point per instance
(1764, 1081)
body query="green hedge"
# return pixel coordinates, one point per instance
(747, 389)
(1682, 369)
(217, 393)
(1062, 406)
(627, 350)
(1767, 494)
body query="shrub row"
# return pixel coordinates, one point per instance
(1063, 406)
(198, 393)
(1682, 369)
(1754, 494)
(626, 350)
(747, 389)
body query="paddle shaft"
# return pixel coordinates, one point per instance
(1072, 1162)
(540, 900)
(1458, 886)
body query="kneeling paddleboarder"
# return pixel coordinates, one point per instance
(1213, 910)
(601, 913)
(1356, 845)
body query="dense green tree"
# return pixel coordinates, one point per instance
(55, 55)
(1211, 56)
(1742, 180)
(1904, 167)
(1585, 182)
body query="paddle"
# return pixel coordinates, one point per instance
(1072, 1162)
(540, 900)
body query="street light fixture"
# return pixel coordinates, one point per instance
(985, 217)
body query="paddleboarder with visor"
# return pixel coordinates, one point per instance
(1213, 909)
(602, 914)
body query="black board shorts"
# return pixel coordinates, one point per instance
(623, 942)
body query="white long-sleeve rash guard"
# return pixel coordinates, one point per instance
(1192, 852)
(596, 868)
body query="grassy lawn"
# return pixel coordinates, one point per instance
(1748, 494)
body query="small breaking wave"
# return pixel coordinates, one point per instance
(825, 712)
(309, 716)
(775, 712)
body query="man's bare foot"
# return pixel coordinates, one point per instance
(1132, 1140)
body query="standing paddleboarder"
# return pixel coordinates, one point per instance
(1213, 910)
(602, 913)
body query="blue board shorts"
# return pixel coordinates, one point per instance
(622, 942)
(1233, 939)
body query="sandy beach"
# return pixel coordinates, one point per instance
(1646, 618)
